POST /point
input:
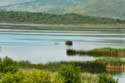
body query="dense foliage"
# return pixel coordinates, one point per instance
(89, 78)
(8, 65)
(63, 72)
(31, 76)
(89, 66)
(104, 78)
(70, 73)
(29, 17)
(97, 66)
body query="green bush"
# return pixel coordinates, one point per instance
(31, 76)
(8, 65)
(7, 61)
(10, 69)
(105, 78)
(89, 78)
(70, 73)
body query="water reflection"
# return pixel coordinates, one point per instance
(42, 54)
(120, 77)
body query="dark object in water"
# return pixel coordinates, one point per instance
(71, 52)
(69, 43)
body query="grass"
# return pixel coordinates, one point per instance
(112, 61)
(108, 52)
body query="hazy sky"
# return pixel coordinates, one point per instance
(8, 2)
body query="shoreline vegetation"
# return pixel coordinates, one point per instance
(112, 64)
(99, 52)
(59, 72)
(96, 66)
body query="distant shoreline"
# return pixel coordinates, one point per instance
(65, 27)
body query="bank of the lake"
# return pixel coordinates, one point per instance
(24, 72)
(99, 52)
(65, 27)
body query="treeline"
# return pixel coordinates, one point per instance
(28, 17)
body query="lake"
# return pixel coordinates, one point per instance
(49, 46)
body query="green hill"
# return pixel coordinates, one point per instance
(44, 18)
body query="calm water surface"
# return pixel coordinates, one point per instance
(49, 46)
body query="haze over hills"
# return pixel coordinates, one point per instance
(48, 6)
(107, 8)
(102, 8)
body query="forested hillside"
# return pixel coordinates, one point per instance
(44, 18)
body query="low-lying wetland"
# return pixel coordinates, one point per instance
(106, 52)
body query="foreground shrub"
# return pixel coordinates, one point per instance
(70, 73)
(31, 76)
(12, 69)
(89, 78)
(105, 78)
(8, 65)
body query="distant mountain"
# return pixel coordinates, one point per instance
(48, 6)
(102, 8)
(107, 8)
